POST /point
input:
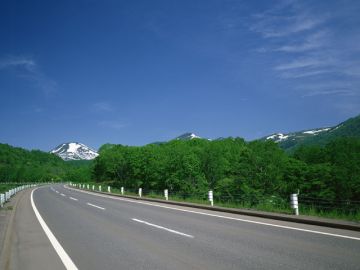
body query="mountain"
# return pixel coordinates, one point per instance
(74, 151)
(184, 137)
(187, 137)
(317, 136)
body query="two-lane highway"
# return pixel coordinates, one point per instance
(102, 232)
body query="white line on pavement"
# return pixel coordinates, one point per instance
(93, 205)
(68, 263)
(56, 191)
(74, 199)
(220, 216)
(163, 228)
(62, 194)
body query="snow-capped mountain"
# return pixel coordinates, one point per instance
(279, 137)
(184, 137)
(317, 136)
(74, 151)
(187, 136)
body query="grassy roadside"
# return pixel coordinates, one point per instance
(263, 206)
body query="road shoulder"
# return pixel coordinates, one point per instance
(25, 243)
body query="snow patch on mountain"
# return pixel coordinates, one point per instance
(278, 137)
(316, 131)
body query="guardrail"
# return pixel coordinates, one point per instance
(209, 197)
(5, 197)
(160, 196)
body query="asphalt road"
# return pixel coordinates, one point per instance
(98, 232)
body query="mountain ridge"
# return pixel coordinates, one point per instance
(287, 141)
(317, 136)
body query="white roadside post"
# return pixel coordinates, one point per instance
(166, 194)
(109, 189)
(211, 197)
(2, 200)
(122, 190)
(88, 186)
(294, 203)
(99, 188)
(140, 192)
(93, 187)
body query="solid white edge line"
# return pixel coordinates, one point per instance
(66, 260)
(74, 199)
(93, 205)
(163, 228)
(219, 216)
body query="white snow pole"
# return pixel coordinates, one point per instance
(109, 190)
(211, 197)
(140, 192)
(294, 203)
(166, 194)
(122, 190)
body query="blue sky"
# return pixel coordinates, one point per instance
(135, 72)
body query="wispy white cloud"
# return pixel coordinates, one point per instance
(342, 92)
(38, 109)
(111, 124)
(16, 62)
(300, 63)
(313, 41)
(329, 88)
(272, 23)
(298, 24)
(27, 68)
(351, 69)
(103, 107)
(298, 74)
(306, 45)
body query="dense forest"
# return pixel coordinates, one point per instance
(231, 167)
